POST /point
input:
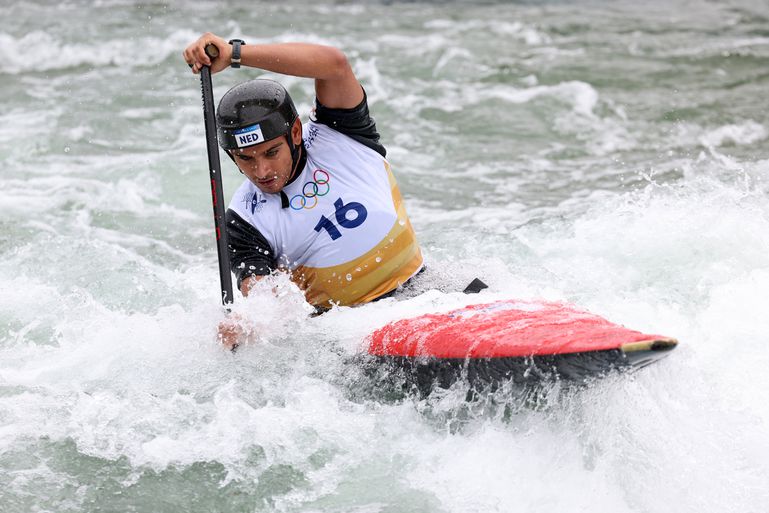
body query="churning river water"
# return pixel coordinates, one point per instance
(614, 155)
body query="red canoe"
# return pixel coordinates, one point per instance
(518, 340)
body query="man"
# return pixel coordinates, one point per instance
(320, 201)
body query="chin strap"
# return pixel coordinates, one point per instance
(298, 158)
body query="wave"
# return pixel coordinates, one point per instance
(32, 52)
(739, 134)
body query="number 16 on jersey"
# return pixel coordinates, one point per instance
(341, 218)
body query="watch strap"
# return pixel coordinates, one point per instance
(235, 59)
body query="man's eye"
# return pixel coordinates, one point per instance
(271, 153)
(244, 157)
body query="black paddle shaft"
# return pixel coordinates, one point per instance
(215, 172)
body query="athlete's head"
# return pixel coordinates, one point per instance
(258, 127)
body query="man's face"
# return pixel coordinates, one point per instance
(268, 165)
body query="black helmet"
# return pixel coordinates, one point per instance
(253, 112)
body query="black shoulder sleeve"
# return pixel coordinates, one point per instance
(355, 123)
(250, 253)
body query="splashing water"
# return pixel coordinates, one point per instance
(609, 155)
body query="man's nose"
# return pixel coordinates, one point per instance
(259, 169)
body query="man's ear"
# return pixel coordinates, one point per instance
(296, 131)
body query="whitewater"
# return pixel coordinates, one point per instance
(612, 155)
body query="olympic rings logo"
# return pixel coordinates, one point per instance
(320, 178)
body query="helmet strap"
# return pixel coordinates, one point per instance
(297, 157)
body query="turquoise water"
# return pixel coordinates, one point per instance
(612, 155)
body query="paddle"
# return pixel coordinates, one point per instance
(215, 173)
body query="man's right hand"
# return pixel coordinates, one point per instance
(195, 54)
(235, 330)
(232, 333)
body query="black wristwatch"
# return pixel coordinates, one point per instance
(236, 44)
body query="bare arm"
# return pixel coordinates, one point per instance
(335, 83)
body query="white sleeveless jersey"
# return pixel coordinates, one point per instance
(345, 236)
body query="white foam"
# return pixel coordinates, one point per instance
(720, 46)
(33, 51)
(463, 472)
(745, 133)
(513, 29)
(137, 195)
(602, 134)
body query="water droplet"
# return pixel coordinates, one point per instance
(66, 149)
(357, 269)
(378, 259)
(349, 277)
(402, 222)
